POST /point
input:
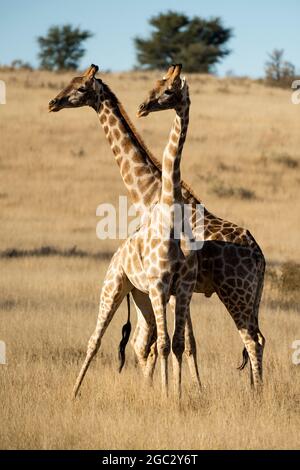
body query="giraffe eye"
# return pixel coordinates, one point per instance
(168, 92)
(82, 89)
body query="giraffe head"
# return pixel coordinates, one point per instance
(167, 93)
(81, 91)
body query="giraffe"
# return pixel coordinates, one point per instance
(230, 263)
(157, 261)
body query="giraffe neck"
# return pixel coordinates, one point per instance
(171, 176)
(140, 171)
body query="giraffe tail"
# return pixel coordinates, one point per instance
(126, 330)
(245, 360)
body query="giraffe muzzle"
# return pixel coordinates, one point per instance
(142, 111)
(59, 103)
(52, 106)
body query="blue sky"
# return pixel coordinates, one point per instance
(259, 27)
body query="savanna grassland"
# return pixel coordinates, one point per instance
(242, 157)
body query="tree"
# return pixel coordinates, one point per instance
(21, 65)
(61, 48)
(279, 71)
(197, 43)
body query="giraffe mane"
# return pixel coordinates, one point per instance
(129, 124)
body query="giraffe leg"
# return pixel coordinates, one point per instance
(144, 340)
(191, 351)
(134, 338)
(116, 286)
(158, 300)
(238, 280)
(245, 316)
(190, 346)
(254, 343)
(152, 358)
(178, 342)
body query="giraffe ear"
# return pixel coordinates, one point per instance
(91, 71)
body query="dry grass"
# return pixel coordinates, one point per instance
(54, 171)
